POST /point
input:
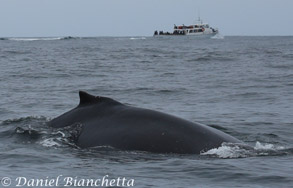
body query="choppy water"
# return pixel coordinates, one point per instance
(240, 85)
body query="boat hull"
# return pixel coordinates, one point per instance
(197, 35)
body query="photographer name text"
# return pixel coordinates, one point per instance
(67, 181)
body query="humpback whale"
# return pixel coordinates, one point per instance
(107, 122)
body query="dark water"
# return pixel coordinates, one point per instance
(240, 85)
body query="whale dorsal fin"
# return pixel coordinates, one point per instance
(86, 98)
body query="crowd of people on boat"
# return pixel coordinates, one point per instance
(168, 33)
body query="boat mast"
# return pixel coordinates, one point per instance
(199, 20)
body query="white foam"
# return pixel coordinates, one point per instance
(218, 36)
(34, 39)
(59, 132)
(260, 146)
(137, 38)
(230, 150)
(227, 151)
(49, 142)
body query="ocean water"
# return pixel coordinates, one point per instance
(240, 85)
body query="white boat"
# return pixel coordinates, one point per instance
(197, 29)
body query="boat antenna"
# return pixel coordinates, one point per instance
(198, 15)
(199, 20)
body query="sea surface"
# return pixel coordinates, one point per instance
(240, 85)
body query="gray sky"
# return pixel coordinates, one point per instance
(36, 18)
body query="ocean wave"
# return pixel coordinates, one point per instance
(213, 57)
(40, 38)
(24, 120)
(33, 39)
(48, 137)
(218, 36)
(69, 38)
(51, 142)
(232, 150)
(280, 66)
(34, 129)
(137, 38)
